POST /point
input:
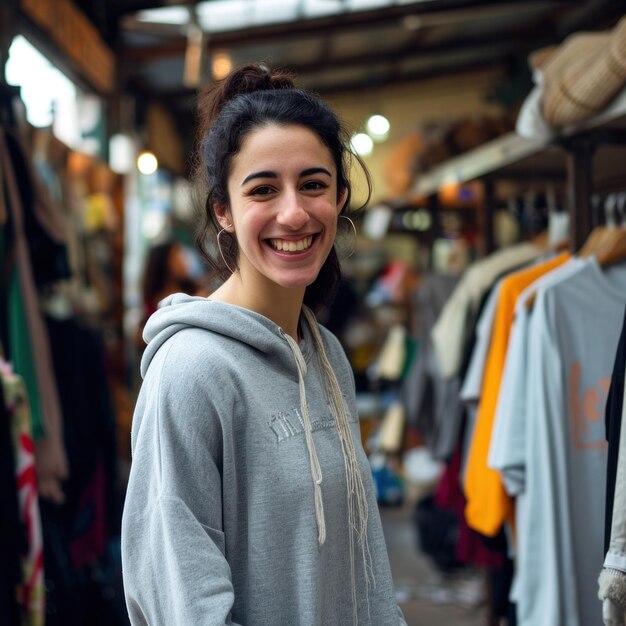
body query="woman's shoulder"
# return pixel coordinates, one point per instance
(196, 356)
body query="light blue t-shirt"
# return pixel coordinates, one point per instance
(573, 334)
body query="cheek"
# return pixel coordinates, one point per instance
(251, 225)
(328, 212)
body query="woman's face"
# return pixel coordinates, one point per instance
(283, 205)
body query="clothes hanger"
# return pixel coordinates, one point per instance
(613, 246)
(607, 243)
(596, 235)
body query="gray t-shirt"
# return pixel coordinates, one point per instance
(573, 333)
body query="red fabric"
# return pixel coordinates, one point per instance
(471, 549)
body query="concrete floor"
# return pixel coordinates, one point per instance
(426, 597)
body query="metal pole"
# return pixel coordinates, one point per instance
(579, 189)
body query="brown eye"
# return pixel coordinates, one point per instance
(314, 185)
(263, 190)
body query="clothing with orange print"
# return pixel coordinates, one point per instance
(573, 334)
(488, 505)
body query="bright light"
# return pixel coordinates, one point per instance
(378, 127)
(362, 144)
(222, 65)
(121, 154)
(49, 96)
(153, 224)
(147, 163)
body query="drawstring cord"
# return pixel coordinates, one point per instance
(316, 470)
(356, 496)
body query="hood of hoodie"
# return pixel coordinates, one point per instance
(179, 311)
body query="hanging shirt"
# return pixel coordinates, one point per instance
(613, 418)
(450, 332)
(488, 505)
(507, 450)
(432, 401)
(473, 381)
(574, 330)
(30, 593)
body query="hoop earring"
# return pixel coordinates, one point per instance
(219, 247)
(353, 248)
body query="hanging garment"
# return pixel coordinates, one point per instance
(12, 539)
(507, 450)
(78, 533)
(450, 332)
(488, 505)
(612, 579)
(45, 227)
(613, 419)
(51, 459)
(574, 329)
(431, 401)
(31, 593)
(473, 379)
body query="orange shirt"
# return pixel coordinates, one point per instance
(488, 504)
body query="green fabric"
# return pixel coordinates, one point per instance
(411, 347)
(22, 353)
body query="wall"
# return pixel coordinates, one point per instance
(407, 106)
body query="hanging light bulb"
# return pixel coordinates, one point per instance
(362, 144)
(378, 127)
(147, 163)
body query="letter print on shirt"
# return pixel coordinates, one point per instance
(587, 410)
(289, 423)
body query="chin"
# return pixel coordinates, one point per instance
(295, 283)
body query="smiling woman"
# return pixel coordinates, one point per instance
(284, 217)
(250, 499)
(253, 99)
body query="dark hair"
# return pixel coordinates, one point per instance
(249, 98)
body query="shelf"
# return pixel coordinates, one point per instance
(515, 156)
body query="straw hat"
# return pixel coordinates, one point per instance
(583, 75)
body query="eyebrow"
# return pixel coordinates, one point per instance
(268, 174)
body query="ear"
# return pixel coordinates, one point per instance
(223, 217)
(342, 199)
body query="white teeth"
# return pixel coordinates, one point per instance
(291, 246)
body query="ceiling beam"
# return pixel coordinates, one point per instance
(188, 97)
(404, 78)
(525, 38)
(434, 13)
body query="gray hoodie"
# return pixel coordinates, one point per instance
(221, 522)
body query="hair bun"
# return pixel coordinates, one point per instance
(245, 79)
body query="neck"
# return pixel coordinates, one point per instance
(281, 305)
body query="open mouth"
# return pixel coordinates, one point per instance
(282, 245)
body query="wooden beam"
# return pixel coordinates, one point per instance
(172, 96)
(409, 77)
(434, 13)
(523, 40)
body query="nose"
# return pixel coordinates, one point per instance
(291, 212)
